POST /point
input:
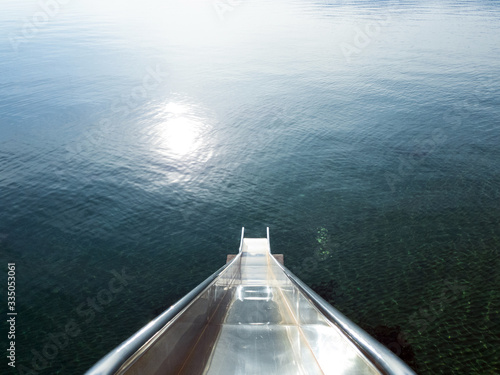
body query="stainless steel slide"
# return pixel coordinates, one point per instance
(252, 317)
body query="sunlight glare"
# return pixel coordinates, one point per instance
(181, 135)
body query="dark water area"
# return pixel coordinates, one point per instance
(137, 138)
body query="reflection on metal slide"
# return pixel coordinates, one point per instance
(251, 317)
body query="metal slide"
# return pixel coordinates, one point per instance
(252, 317)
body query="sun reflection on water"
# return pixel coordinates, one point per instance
(181, 133)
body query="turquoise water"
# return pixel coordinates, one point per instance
(139, 137)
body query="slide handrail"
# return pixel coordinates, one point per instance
(112, 362)
(381, 357)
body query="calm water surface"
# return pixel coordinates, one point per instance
(138, 137)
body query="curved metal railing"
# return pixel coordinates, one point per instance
(113, 361)
(384, 359)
